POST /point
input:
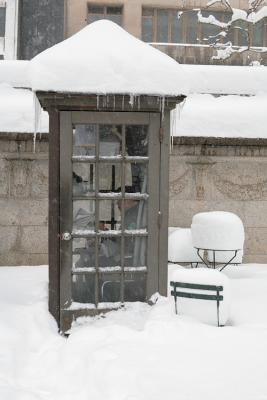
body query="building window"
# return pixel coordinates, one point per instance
(164, 26)
(97, 12)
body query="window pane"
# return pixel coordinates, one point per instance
(84, 214)
(93, 18)
(109, 177)
(135, 214)
(176, 28)
(83, 253)
(191, 27)
(110, 252)
(109, 288)
(83, 288)
(114, 10)
(242, 37)
(135, 287)
(258, 34)
(109, 215)
(95, 9)
(162, 26)
(148, 12)
(84, 139)
(147, 29)
(139, 178)
(135, 251)
(110, 140)
(2, 21)
(209, 30)
(137, 140)
(83, 177)
(115, 18)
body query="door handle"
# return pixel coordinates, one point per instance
(66, 236)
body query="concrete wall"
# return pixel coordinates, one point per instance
(222, 175)
(41, 26)
(205, 175)
(23, 200)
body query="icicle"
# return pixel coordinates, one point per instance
(162, 108)
(139, 101)
(175, 115)
(131, 101)
(37, 118)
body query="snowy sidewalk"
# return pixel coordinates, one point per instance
(140, 353)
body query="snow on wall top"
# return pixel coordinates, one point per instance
(223, 116)
(103, 58)
(15, 73)
(17, 111)
(225, 79)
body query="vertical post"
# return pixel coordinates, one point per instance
(164, 204)
(53, 223)
(218, 308)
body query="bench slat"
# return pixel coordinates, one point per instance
(196, 286)
(197, 296)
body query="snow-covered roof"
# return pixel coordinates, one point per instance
(103, 58)
(213, 79)
(17, 111)
(223, 116)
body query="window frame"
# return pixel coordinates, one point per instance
(9, 42)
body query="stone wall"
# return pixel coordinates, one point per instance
(23, 200)
(205, 174)
(222, 175)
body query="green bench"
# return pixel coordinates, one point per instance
(217, 296)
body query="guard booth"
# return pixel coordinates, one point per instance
(108, 199)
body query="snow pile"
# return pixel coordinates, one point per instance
(225, 116)
(217, 230)
(103, 58)
(17, 111)
(137, 353)
(180, 246)
(203, 310)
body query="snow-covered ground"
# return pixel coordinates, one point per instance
(139, 353)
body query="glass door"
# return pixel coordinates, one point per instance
(109, 191)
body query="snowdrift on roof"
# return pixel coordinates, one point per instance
(104, 59)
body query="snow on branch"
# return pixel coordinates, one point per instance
(240, 19)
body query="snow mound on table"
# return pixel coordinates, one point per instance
(218, 230)
(204, 310)
(180, 247)
(103, 58)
